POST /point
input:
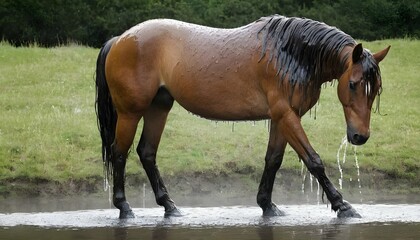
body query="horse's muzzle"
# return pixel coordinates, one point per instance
(355, 137)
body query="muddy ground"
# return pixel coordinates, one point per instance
(210, 189)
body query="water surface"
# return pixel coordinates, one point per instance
(380, 221)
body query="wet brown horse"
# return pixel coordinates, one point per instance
(271, 69)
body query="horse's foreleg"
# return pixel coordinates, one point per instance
(292, 130)
(125, 131)
(154, 123)
(273, 160)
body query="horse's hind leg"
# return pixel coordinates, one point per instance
(124, 135)
(154, 123)
(273, 160)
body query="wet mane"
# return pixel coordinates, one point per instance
(371, 73)
(371, 70)
(304, 50)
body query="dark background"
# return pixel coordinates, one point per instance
(92, 22)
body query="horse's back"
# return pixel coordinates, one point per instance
(205, 69)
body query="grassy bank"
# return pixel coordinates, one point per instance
(48, 127)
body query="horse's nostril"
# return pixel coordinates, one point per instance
(359, 139)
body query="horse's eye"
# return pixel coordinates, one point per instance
(352, 85)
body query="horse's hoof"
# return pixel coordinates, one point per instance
(174, 212)
(347, 211)
(126, 214)
(273, 211)
(125, 210)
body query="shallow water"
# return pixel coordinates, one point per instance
(380, 221)
(91, 217)
(233, 216)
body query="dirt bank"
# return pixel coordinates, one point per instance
(289, 186)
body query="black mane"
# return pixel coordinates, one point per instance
(302, 49)
(371, 72)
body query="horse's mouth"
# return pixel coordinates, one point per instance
(358, 139)
(355, 137)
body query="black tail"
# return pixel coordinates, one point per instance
(105, 111)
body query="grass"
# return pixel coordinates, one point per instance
(48, 125)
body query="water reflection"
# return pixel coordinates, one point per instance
(121, 233)
(329, 231)
(265, 232)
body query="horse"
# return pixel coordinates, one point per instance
(272, 68)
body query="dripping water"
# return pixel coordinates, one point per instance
(144, 195)
(314, 109)
(317, 193)
(304, 171)
(342, 160)
(107, 187)
(344, 144)
(358, 173)
(311, 179)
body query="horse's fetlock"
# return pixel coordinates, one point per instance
(337, 202)
(263, 200)
(118, 199)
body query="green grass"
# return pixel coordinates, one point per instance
(48, 124)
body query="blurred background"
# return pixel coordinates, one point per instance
(92, 22)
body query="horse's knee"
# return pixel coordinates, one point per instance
(315, 165)
(273, 163)
(146, 153)
(273, 159)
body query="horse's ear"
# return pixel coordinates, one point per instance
(357, 53)
(379, 56)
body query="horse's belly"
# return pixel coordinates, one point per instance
(222, 102)
(224, 110)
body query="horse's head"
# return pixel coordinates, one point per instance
(357, 89)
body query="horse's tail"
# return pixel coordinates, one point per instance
(105, 111)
